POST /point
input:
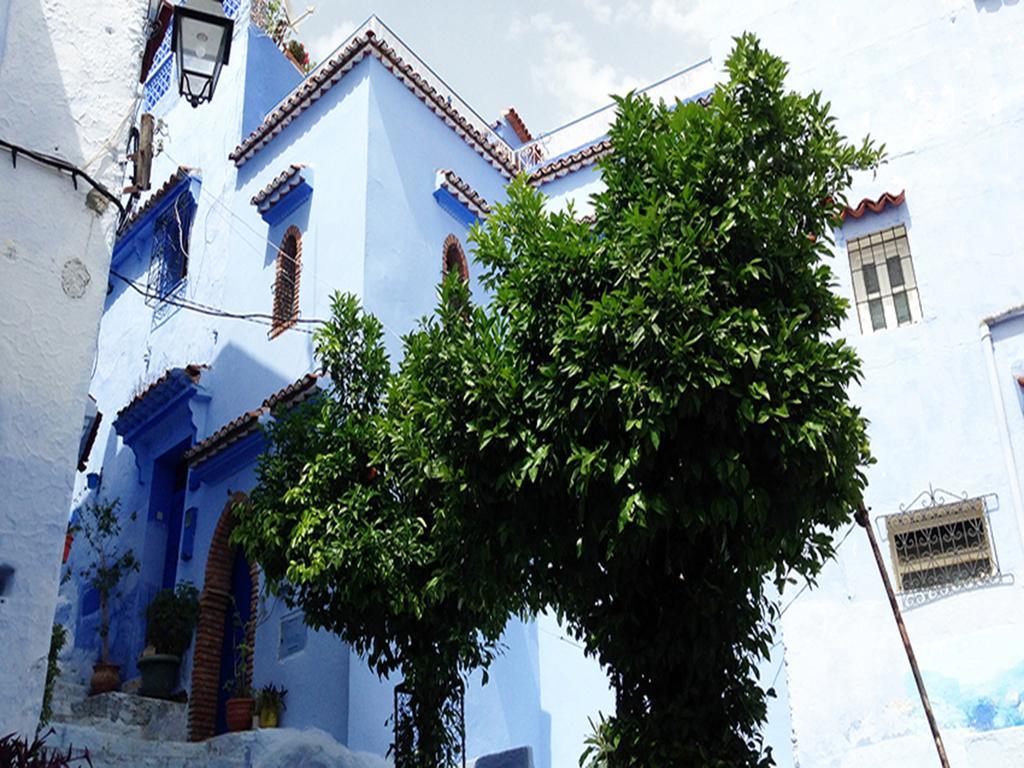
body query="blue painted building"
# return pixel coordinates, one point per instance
(362, 176)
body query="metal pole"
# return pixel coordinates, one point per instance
(864, 520)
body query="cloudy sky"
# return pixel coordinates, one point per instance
(552, 61)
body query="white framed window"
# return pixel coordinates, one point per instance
(941, 546)
(884, 284)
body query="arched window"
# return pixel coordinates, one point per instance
(454, 258)
(286, 283)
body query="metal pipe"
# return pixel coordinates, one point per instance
(1009, 459)
(864, 520)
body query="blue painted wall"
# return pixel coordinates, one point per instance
(270, 76)
(371, 226)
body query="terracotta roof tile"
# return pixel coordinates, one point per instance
(875, 206)
(570, 163)
(231, 432)
(294, 393)
(284, 183)
(464, 193)
(151, 201)
(518, 124)
(192, 371)
(244, 425)
(328, 74)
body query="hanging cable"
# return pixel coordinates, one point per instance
(218, 203)
(255, 317)
(64, 166)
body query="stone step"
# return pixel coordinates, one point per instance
(65, 695)
(123, 714)
(270, 748)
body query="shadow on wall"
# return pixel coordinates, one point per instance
(237, 382)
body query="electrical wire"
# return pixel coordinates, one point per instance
(259, 318)
(62, 165)
(216, 202)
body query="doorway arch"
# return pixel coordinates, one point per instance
(214, 604)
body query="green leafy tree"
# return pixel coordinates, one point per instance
(111, 563)
(647, 422)
(343, 523)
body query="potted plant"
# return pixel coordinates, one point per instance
(298, 55)
(101, 528)
(240, 704)
(270, 705)
(170, 620)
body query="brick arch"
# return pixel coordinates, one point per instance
(214, 603)
(453, 257)
(286, 281)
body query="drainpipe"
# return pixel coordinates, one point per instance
(997, 400)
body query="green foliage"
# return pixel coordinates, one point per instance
(239, 684)
(271, 698)
(600, 745)
(19, 752)
(58, 637)
(648, 421)
(171, 618)
(100, 524)
(342, 522)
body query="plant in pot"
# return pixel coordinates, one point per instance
(270, 705)
(170, 620)
(109, 565)
(240, 704)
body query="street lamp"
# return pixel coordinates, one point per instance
(201, 39)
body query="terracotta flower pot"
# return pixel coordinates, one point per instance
(239, 714)
(105, 678)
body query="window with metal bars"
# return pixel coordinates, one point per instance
(168, 263)
(286, 282)
(943, 545)
(884, 283)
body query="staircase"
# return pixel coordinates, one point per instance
(125, 731)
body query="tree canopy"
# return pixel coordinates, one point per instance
(646, 421)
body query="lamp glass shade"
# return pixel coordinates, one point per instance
(201, 39)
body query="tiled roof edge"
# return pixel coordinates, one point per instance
(192, 370)
(290, 173)
(570, 163)
(465, 193)
(176, 178)
(244, 425)
(325, 78)
(866, 205)
(518, 124)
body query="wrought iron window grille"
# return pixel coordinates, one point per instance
(941, 544)
(405, 737)
(168, 262)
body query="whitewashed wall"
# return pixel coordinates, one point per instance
(68, 74)
(941, 83)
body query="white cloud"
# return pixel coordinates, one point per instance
(321, 40)
(605, 12)
(568, 71)
(676, 15)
